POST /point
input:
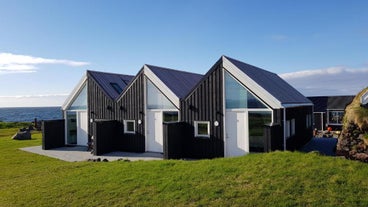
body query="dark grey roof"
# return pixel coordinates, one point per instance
(179, 82)
(105, 80)
(324, 103)
(320, 103)
(272, 83)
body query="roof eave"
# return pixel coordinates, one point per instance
(294, 105)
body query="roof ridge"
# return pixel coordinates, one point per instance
(170, 69)
(108, 73)
(230, 59)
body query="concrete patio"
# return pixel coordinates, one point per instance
(79, 153)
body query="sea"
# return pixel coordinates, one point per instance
(28, 114)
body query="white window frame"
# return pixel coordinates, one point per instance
(126, 131)
(196, 129)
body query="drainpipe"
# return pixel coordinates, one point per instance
(284, 129)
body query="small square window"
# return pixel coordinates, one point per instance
(202, 128)
(129, 126)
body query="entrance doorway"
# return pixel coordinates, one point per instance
(76, 128)
(245, 131)
(155, 120)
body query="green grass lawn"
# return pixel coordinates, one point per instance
(272, 179)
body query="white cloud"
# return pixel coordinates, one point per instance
(33, 100)
(328, 81)
(13, 63)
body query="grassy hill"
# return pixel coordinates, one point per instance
(272, 179)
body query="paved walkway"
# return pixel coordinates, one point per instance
(74, 154)
(326, 146)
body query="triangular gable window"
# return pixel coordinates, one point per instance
(237, 96)
(80, 103)
(155, 99)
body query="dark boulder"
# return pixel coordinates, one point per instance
(22, 135)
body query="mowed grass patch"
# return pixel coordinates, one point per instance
(271, 179)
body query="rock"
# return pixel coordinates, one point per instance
(361, 156)
(22, 135)
(30, 128)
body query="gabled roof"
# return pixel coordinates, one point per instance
(174, 84)
(270, 85)
(179, 82)
(106, 81)
(324, 103)
(103, 79)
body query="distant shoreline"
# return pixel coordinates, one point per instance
(7, 107)
(28, 114)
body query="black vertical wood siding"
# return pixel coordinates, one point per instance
(205, 103)
(53, 134)
(105, 137)
(100, 106)
(131, 107)
(302, 133)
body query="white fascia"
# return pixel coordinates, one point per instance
(74, 92)
(251, 84)
(296, 105)
(161, 86)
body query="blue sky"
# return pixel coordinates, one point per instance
(320, 47)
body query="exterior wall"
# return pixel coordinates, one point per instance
(131, 107)
(303, 134)
(105, 137)
(53, 134)
(277, 137)
(100, 106)
(205, 103)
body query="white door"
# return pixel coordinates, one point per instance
(154, 131)
(237, 143)
(82, 128)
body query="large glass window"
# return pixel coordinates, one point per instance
(237, 96)
(155, 99)
(335, 117)
(257, 120)
(80, 102)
